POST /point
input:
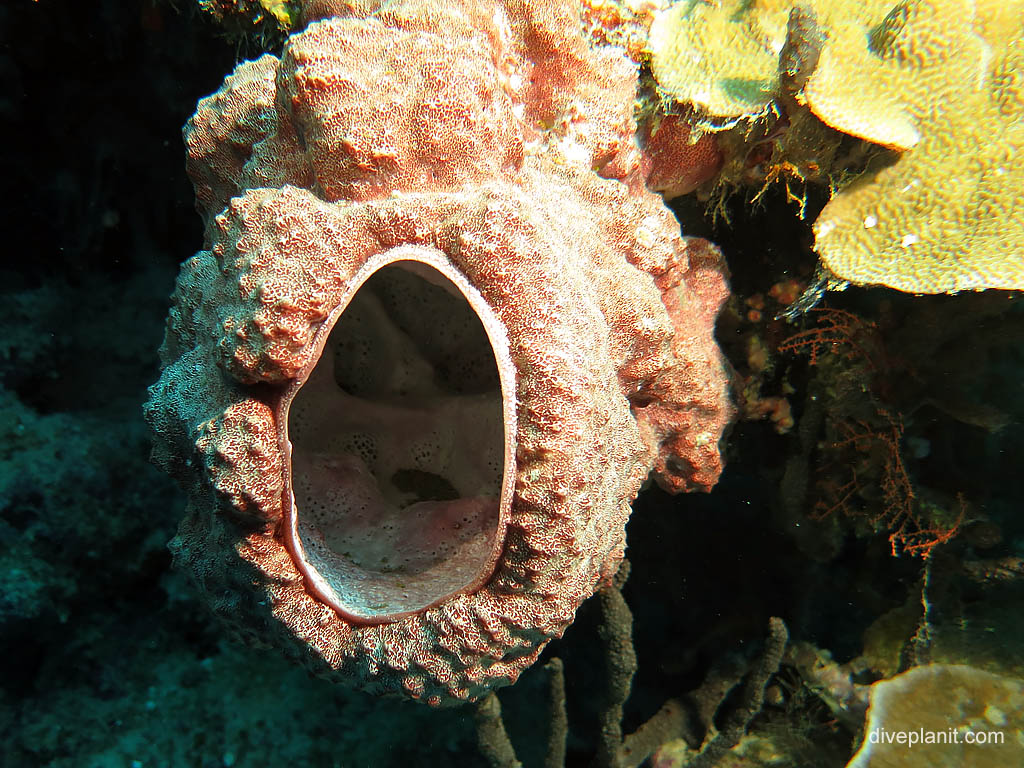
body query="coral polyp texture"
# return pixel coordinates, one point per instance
(438, 337)
(938, 82)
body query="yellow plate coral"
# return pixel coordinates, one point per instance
(949, 214)
(940, 81)
(720, 57)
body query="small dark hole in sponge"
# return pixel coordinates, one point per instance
(425, 485)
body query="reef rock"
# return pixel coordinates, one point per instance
(438, 337)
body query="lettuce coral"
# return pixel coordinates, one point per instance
(936, 81)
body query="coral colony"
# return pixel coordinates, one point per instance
(929, 80)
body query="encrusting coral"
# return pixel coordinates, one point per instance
(438, 337)
(936, 81)
(944, 715)
(720, 57)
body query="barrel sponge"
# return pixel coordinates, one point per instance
(433, 344)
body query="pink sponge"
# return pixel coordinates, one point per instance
(437, 339)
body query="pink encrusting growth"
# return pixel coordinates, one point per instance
(439, 335)
(676, 164)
